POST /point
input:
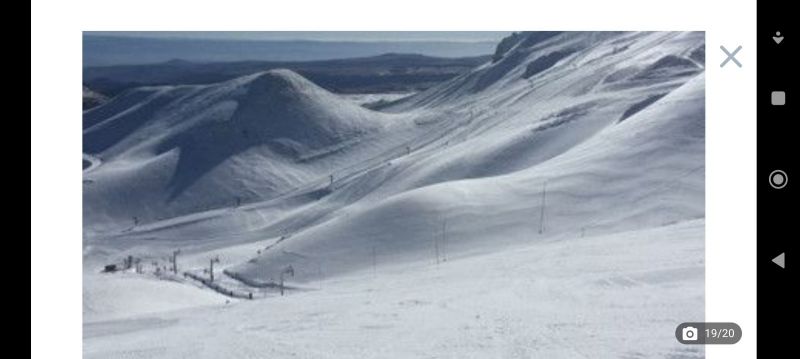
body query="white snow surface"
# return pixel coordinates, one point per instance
(615, 296)
(549, 203)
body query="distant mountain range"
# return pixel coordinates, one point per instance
(115, 50)
(392, 72)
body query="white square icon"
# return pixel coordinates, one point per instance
(778, 98)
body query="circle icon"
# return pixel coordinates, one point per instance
(778, 179)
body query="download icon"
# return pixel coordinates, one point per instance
(778, 38)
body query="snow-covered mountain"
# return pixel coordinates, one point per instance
(565, 142)
(170, 151)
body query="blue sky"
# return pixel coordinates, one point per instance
(459, 36)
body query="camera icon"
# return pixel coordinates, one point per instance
(689, 334)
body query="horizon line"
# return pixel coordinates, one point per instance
(184, 35)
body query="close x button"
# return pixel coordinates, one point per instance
(730, 56)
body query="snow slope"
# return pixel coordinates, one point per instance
(616, 296)
(600, 174)
(611, 182)
(568, 173)
(108, 298)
